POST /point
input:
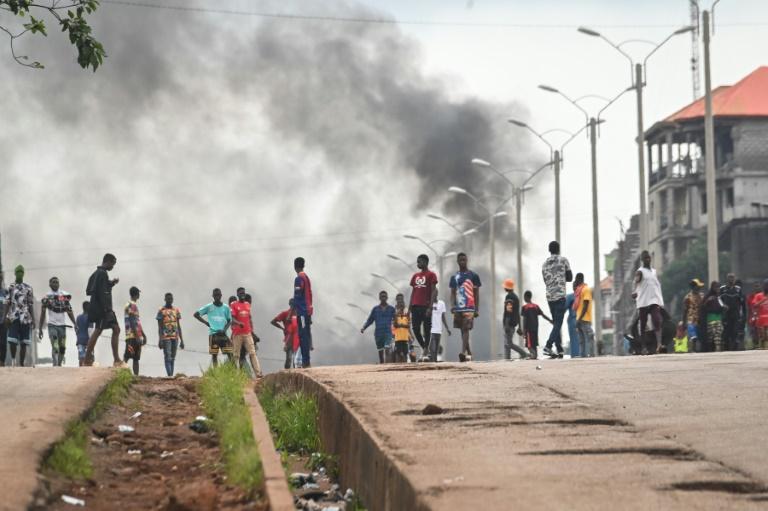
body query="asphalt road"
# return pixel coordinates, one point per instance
(660, 432)
(36, 405)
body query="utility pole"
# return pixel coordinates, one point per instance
(518, 211)
(493, 291)
(596, 298)
(709, 157)
(641, 157)
(557, 202)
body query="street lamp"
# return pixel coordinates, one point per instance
(556, 158)
(355, 306)
(400, 259)
(366, 293)
(592, 123)
(385, 279)
(492, 215)
(454, 226)
(345, 320)
(638, 74)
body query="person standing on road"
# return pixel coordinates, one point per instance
(582, 306)
(437, 323)
(302, 301)
(511, 321)
(556, 271)
(3, 327)
(287, 323)
(648, 298)
(218, 318)
(756, 290)
(573, 334)
(242, 330)
(135, 338)
(760, 314)
(692, 314)
(383, 316)
(402, 330)
(100, 311)
(712, 312)
(735, 313)
(529, 326)
(423, 291)
(465, 303)
(21, 315)
(83, 334)
(169, 331)
(57, 304)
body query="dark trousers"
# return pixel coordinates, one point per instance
(557, 309)
(169, 355)
(3, 342)
(730, 337)
(305, 337)
(509, 344)
(421, 320)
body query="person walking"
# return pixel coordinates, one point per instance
(218, 318)
(3, 327)
(242, 330)
(465, 303)
(511, 321)
(712, 312)
(302, 301)
(100, 311)
(56, 303)
(529, 325)
(383, 316)
(135, 338)
(648, 298)
(751, 317)
(402, 330)
(423, 290)
(760, 315)
(20, 312)
(83, 325)
(735, 313)
(169, 332)
(573, 334)
(582, 306)
(692, 314)
(437, 323)
(556, 271)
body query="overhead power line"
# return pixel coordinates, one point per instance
(391, 21)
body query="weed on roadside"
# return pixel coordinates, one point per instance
(221, 390)
(293, 419)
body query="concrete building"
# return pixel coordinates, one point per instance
(676, 193)
(626, 260)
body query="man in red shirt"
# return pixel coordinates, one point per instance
(242, 329)
(290, 330)
(760, 316)
(423, 284)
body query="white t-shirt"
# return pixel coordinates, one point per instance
(649, 289)
(438, 308)
(57, 303)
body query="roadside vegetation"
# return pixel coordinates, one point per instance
(293, 419)
(221, 390)
(69, 456)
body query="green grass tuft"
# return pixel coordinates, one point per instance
(69, 456)
(222, 393)
(293, 418)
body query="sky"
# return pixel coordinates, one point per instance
(213, 148)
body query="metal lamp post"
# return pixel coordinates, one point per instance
(385, 279)
(637, 78)
(592, 123)
(455, 227)
(400, 259)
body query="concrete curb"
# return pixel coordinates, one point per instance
(363, 462)
(275, 482)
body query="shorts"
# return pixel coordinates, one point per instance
(693, 331)
(401, 348)
(383, 341)
(532, 339)
(58, 337)
(106, 321)
(81, 350)
(132, 349)
(19, 332)
(219, 342)
(463, 320)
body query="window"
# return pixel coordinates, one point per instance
(704, 203)
(729, 197)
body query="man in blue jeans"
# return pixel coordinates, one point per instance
(302, 302)
(556, 271)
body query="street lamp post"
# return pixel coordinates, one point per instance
(592, 123)
(463, 233)
(385, 279)
(638, 74)
(401, 260)
(492, 215)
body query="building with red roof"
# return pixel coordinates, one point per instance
(676, 192)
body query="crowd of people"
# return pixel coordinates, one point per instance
(230, 326)
(711, 321)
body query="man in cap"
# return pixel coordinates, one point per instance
(511, 320)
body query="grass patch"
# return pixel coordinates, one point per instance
(221, 389)
(69, 456)
(293, 419)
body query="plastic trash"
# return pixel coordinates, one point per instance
(134, 451)
(166, 454)
(125, 429)
(200, 425)
(135, 416)
(201, 418)
(349, 495)
(332, 508)
(73, 501)
(538, 368)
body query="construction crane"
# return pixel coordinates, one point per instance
(695, 75)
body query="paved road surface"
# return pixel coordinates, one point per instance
(36, 405)
(662, 432)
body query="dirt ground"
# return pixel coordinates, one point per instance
(177, 469)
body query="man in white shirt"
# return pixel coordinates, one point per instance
(438, 320)
(648, 298)
(56, 304)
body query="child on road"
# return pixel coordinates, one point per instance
(438, 321)
(402, 328)
(530, 324)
